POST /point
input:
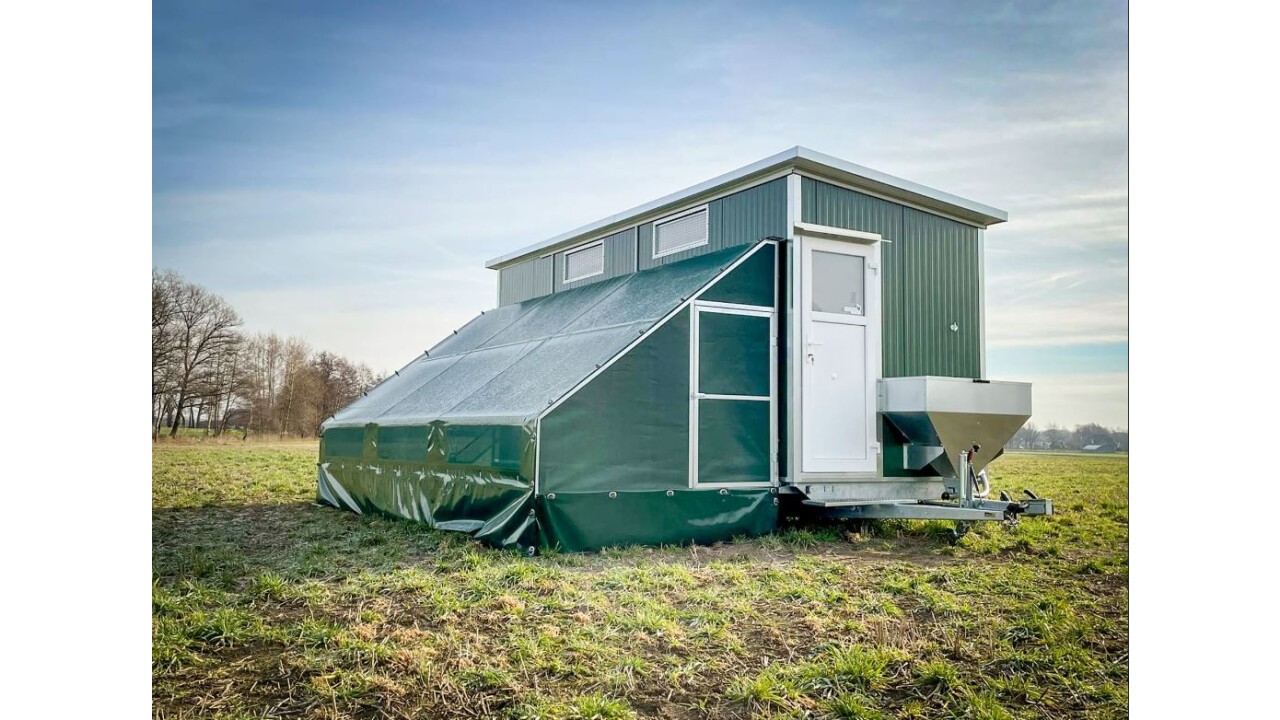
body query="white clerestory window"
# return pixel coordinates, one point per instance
(680, 233)
(584, 263)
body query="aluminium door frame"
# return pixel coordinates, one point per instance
(696, 397)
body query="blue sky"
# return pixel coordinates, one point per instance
(341, 171)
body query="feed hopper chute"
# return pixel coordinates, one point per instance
(938, 418)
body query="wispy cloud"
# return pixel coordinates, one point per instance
(1071, 399)
(343, 172)
(1039, 325)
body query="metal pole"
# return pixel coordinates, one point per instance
(966, 487)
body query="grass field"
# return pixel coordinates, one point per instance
(265, 605)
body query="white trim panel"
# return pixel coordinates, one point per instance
(834, 233)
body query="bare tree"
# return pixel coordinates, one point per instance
(1090, 434)
(1121, 438)
(229, 382)
(1056, 437)
(261, 362)
(164, 288)
(1026, 437)
(339, 382)
(298, 388)
(216, 386)
(203, 325)
(204, 372)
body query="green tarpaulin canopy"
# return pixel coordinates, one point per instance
(602, 373)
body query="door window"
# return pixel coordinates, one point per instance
(839, 283)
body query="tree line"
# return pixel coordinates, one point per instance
(1053, 437)
(206, 373)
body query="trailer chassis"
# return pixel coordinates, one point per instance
(965, 510)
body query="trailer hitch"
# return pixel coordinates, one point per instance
(1034, 505)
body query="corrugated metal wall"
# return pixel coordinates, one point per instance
(736, 219)
(523, 281)
(619, 259)
(931, 279)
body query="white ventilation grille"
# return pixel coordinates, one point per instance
(686, 231)
(584, 263)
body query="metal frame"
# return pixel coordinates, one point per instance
(537, 456)
(962, 511)
(564, 270)
(696, 397)
(791, 347)
(967, 508)
(982, 304)
(705, 209)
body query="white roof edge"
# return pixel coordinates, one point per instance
(799, 157)
(985, 214)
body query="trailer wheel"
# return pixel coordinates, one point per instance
(961, 529)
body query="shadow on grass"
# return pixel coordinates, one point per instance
(229, 546)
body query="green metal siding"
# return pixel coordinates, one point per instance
(825, 204)
(931, 279)
(525, 281)
(937, 280)
(743, 217)
(738, 219)
(619, 259)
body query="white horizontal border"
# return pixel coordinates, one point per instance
(835, 233)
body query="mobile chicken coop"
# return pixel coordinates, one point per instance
(799, 335)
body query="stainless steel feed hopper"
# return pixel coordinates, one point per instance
(948, 428)
(940, 417)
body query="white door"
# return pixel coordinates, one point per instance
(840, 320)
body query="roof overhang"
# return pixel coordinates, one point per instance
(797, 159)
